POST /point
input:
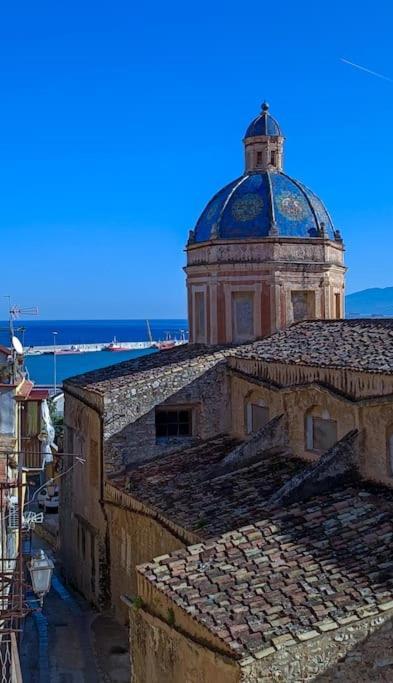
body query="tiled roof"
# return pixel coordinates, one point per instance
(184, 487)
(295, 574)
(362, 344)
(147, 368)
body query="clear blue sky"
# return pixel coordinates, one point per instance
(119, 120)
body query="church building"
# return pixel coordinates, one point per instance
(264, 253)
(235, 505)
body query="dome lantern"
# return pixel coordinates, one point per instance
(263, 143)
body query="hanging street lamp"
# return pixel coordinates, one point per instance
(41, 570)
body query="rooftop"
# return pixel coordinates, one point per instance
(185, 487)
(145, 368)
(359, 344)
(295, 574)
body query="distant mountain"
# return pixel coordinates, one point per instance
(376, 302)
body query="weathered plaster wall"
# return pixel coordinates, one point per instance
(358, 651)
(177, 647)
(81, 519)
(161, 654)
(209, 397)
(135, 538)
(373, 418)
(376, 420)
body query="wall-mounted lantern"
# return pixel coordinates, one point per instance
(41, 570)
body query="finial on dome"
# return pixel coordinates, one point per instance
(265, 106)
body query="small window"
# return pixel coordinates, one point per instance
(259, 158)
(257, 417)
(273, 158)
(321, 433)
(173, 423)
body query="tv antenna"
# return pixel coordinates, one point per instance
(15, 312)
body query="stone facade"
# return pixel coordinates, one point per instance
(271, 270)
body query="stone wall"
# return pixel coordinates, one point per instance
(208, 396)
(357, 653)
(82, 523)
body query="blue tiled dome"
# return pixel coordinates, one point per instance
(261, 204)
(264, 124)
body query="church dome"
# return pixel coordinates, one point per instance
(263, 204)
(263, 124)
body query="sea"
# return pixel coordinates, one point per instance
(41, 368)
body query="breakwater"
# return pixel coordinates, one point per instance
(86, 348)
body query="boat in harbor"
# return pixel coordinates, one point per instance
(114, 346)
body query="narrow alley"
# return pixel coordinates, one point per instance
(69, 642)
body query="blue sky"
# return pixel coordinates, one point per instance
(118, 121)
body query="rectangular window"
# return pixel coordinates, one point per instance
(200, 317)
(259, 158)
(257, 417)
(337, 303)
(273, 158)
(303, 305)
(324, 434)
(173, 422)
(242, 316)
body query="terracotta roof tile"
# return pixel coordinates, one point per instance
(184, 487)
(359, 344)
(294, 575)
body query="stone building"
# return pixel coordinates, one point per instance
(235, 505)
(264, 253)
(259, 478)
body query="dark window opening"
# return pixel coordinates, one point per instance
(259, 417)
(324, 434)
(172, 423)
(273, 158)
(259, 158)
